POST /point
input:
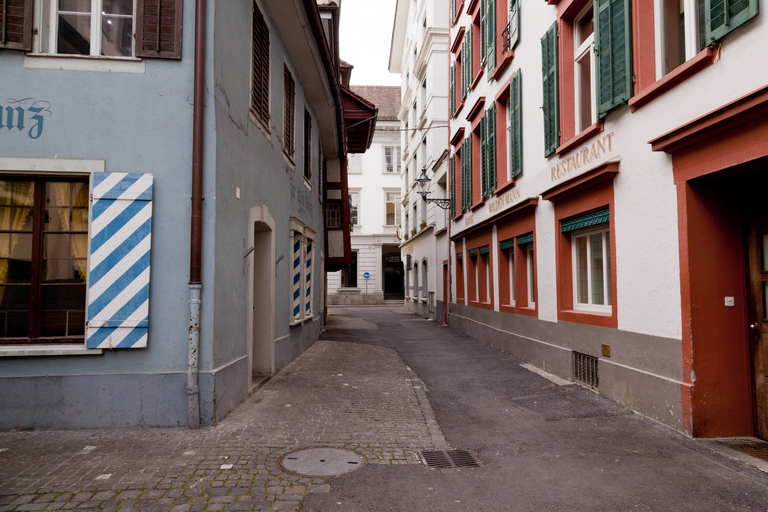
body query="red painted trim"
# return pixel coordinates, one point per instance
(580, 138)
(503, 63)
(456, 46)
(567, 10)
(476, 108)
(579, 184)
(685, 299)
(643, 44)
(472, 5)
(737, 112)
(503, 94)
(460, 271)
(591, 198)
(459, 8)
(701, 61)
(477, 190)
(504, 187)
(476, 242)
(518, 209)
(459, 106)
(458, 137)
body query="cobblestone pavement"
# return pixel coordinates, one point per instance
(342, 395)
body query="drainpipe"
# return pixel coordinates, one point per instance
(196, 239)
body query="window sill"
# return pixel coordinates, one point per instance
(502, 65)
(289, 160)
(589, 317)
(686, 70)
(476, 81)
(84, 63)
(459, 9)
(49, 350)
(458, 108)
(458, 217)
(505, 186)
(477, 205)
(260, 125)
(580, 138)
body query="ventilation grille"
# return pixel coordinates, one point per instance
(756, 449)
(449, 459)
(585, 370)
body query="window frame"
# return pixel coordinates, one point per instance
(289, 117)
(356, 207)
(530, 275)
(586, 233)
(396, 203)
(260, 100)
(307, 148)
(50, 27)
(585, 50)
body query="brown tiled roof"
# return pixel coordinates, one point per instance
(386, 98)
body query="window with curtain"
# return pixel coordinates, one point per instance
(43, 259)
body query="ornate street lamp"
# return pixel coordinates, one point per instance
(423, 182)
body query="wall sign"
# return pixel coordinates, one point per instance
(583, 155)
(26, 115)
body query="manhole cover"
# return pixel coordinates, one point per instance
(319, 462)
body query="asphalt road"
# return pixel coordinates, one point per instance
(544, 446)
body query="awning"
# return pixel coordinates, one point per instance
(359, 121)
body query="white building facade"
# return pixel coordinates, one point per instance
(420, 54)
(610, 220)
(376, 271)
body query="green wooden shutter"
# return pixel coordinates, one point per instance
(483, 155)
(483, 31)
(492, 149)
(469, 172)
(549, 79)
(453, 11)
(516, 124)
(613, 50)
(723, 16)
(514, 23)
(464, 66)
(452, 177)
(490, 38)
(453, 90)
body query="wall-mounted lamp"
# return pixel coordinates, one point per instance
(423, 182)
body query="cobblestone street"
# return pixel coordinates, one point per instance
(343, 395)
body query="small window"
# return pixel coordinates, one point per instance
(354, 203)
(392, 209)
(333, 215)
(260, 68)
(511, 265)
(389, 159)
(584, 64)
(531, 274)
(290, 113)
(592, 269)
(88, 27)
(415, 294)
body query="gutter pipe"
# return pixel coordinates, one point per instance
(196, 239)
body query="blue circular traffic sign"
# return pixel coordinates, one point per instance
(367, 275)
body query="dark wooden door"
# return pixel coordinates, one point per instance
(758, 280)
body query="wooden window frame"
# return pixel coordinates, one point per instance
(307, 148)
(289, 118)
(260, 69)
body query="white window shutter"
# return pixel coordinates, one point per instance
(118, 275)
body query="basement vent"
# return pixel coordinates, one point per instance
(585, 370)
(448, 459)
(753, 448)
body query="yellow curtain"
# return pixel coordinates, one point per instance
(20, 195)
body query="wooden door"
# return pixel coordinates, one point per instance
(758, 328)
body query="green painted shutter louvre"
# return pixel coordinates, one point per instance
(514, 23)
(723, 16)
(483, 155)
(549, 81)
(490, 38)
(473, 253)
(525, 239)
(458, 256)
(453, 11)
(452, 177)
(483, 30)
(516, 125)
(507, 244)
(453, 90)
(464, 66)
(585, 221)
(613, 51)
(490, 126)
(484, 250)
(469, 172)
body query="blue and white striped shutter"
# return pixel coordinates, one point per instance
(308, 279)
(296, 276)
(118, 278)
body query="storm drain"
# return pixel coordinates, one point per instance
(585, 370)
(448, 459)
(753, 448)
(322, 462)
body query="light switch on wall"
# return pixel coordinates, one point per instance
(729, 301)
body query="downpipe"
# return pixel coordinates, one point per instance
(193, 390)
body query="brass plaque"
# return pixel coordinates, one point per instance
(606, 350)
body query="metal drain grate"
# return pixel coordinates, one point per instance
(757, 449)
(448, 459)
(585, 370)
